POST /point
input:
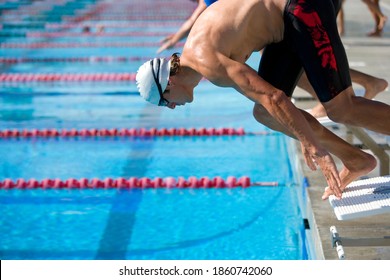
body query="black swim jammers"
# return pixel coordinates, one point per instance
(311, 42)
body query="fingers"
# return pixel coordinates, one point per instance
(334, 186)
(334, 182)
(310, 163)
(338, 180)
(331, 174)
(308, 159)
(160, 49)
(166, 39)
(328, 168)
(327, 192)
(165, 46)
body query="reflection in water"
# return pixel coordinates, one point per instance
(16, 114)
(17, 109)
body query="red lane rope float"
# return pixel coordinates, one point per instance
(102, 17)
(127, 24)
(108, 13)
(42, 45)
(105, 7)
(93, 34)
(67, 77)
(88, 13)
(13, 60)
(124, 132)
(107, 16)
(133, 183)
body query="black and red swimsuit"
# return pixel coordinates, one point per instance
(311, 42)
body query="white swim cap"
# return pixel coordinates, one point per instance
(150, 76)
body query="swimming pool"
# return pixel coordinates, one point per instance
(207, 223)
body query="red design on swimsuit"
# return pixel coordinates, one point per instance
(318, 33)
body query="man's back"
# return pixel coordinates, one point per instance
(237, 28)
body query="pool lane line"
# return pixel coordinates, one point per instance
(88, 59)
(136, 183)
(114, 244)
(18, 78)
(71, 35)
(65, 77)
(34, 34)
(128, 222)
(43, 45)
(114, 24)
(126, 132)
(261, 211)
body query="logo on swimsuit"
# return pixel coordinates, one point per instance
(318, 34)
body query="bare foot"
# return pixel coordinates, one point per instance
(382, 22)
(351, 171)
(318, 111)
(375, 86)
(375, 33)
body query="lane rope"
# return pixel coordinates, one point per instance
(14, 60)
(67, 77)
(96, 34)
(134, 183)
(125, 132)
(42, 45)
(125, 24)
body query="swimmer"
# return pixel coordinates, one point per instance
(171, 40)
(86, 29)
(100, 28)
(229, 31)
(372, 85)
(379, 18)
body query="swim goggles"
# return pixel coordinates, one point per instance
(163, 101)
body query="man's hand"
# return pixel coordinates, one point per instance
(167, 43)
(327, 192)
(324, 160)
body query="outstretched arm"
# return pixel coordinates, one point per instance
(171, 40)
(230, 73)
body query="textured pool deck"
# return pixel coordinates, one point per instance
(372, 56)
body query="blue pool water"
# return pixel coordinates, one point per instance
(175, 156)
(207, 224)
(151, 224)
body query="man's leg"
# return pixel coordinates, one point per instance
(349, 109)
(340, 20)
(379, 18)
(313, 30)
(356, 162)
(372, 86)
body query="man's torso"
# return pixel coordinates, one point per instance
(237, 28)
